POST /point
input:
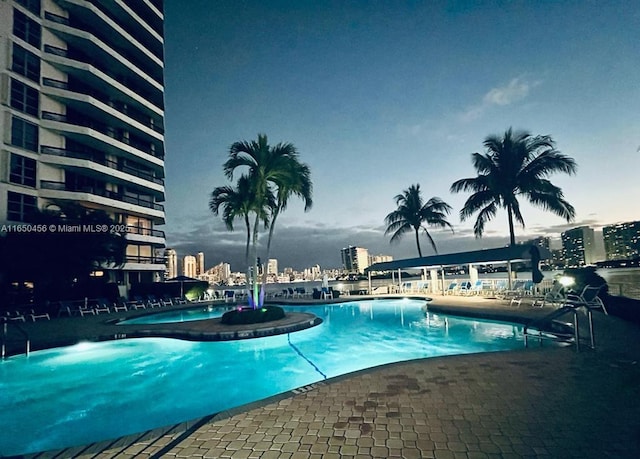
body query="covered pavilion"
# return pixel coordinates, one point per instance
(435, 263)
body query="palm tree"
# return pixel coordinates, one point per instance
(412, 214)
(514, 165)
(234, 203)
(271, 171)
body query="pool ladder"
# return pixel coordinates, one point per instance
(5, 326)
(568, 333)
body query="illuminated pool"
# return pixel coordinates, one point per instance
(97, 391)
(180, 315)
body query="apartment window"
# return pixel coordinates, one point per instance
(20, 207)
(26, 63)
(31, 5)
(24, 98)
(24, 134)
(26, 28)
(23, 170)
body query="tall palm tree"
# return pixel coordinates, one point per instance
(296, 182)
(516, 164)
(414, 214)
(235, 203)
(271, 171)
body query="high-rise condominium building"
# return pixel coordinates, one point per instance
(189, 266)
(622, 241)
(200, 263)
(355, 259)
(272, 266)
(172, 263)
(578, 246)
(82, 117)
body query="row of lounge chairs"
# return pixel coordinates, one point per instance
(22, 316)
(102, 305)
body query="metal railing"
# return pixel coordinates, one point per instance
(94, 158)
(119, 107)
(61, 186)
(105, 129)
(128, 82)
(143, 231)
(5, 326)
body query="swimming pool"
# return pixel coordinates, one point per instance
(180, 315)
(96, 391)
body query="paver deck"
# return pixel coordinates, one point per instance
(538, 402)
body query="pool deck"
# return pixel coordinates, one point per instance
(541, 402)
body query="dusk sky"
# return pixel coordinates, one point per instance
(377, 96)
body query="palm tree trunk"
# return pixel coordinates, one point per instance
(418, 243)
(276, 212)
(512, 234)
(254, 286)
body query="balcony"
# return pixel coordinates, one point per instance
(151, 93)
(96, 191)
(120, 107)
(94, 157)
(109, 131)
(94, 22)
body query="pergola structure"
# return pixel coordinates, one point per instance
(435, 263)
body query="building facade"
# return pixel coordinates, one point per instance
(272, 266)
(200, 269)
(355, 259)
(82, 117)
(578, 246)
(172, 263)
(622, 241)
(190, 266)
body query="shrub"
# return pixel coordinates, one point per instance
(252, 316)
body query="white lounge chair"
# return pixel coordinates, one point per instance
(588, 298)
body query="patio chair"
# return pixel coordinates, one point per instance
(588, 298)
(464, 287)
(452, 288)
(38, 315)
(15, 316)
(229, 296)
(555, 297)
(327, 293)
(102, 305)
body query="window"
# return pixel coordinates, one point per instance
(26, 28)
(24, 134)
(23, 170)
(31, 5)
(26, 63)
(24, 98)
(20, 207)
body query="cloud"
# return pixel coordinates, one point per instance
(516, 90)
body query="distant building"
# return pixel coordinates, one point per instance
(200, 269)
(189, 266)
(355, 259)
(373, 259)
(172, 263)
(541, 242)
(622, 241)
(578, 246)
(272, 266)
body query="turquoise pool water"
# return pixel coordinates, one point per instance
(181, 315)
(96, 391)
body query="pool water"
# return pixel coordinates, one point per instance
(97, 391)
(180, 315)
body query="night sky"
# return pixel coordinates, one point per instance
(377, 96)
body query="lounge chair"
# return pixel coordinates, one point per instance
(327, 293)
(463, 288)
(588, 298)
(452, 288)
(229, 296)
(39, 315)
(102, 305)
(14, 316)
(555, 297)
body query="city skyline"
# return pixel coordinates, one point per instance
(379, 98)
